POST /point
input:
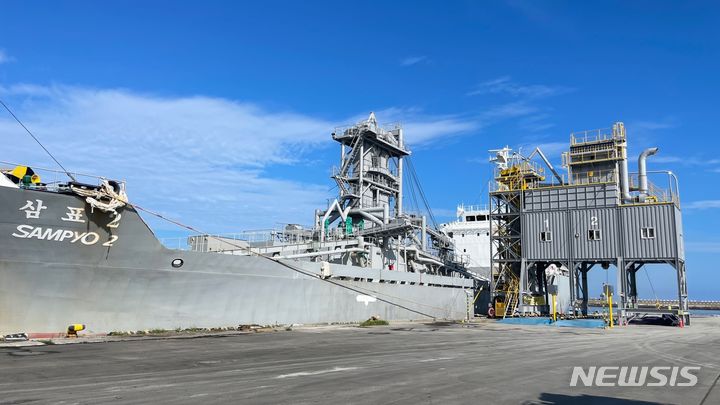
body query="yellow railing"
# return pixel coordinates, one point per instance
(655, 193)
(518, 182)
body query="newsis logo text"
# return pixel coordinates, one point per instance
(635, 376)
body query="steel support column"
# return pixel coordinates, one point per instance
(619, 296)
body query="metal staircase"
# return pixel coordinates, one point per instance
(512, 297)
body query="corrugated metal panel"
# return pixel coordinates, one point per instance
(603, 195)
(571, 212)
(554, 222)
(602, 219)
(659, 217)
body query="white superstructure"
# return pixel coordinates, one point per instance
(471, 234)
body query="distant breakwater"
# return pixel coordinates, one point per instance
(650, 303)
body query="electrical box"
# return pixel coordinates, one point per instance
(325, 270)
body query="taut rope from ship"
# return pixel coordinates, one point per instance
(37, 140)
(293, 268)
(108, 199)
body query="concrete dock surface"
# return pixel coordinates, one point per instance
(414, 363)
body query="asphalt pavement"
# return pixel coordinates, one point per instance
(419, 363)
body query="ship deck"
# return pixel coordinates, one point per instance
(401, 364)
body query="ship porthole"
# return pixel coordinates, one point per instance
(177, 263)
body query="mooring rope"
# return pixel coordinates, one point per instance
(293, 268)
(37, 140)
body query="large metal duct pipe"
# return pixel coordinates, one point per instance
(370, 217)
(321, 253)
(374, 214)
(625, 179)
(642, 171)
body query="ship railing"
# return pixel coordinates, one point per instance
(176, 243)
(462, 259)
(183, 242)
(473, 208)
(260, 238)
(51, 179)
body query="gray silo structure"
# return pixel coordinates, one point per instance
(560, 227)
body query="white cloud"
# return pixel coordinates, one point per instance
(27, 90)
(5, 58)
(504, 85)
(205, 161)
(702, 205)
(667, 159)
(668, 123)
(423, 131)
(510, 110)
(412, 60)
(420, 128)
(532, 117)
(536, 123)
(198, 159)
(689, 160)
(703, 247)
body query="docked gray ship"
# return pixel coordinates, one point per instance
(79, 252)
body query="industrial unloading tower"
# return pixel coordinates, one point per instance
(369, 207)
(599, 213)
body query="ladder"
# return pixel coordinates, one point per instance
(511, 297)
(341, 176)
(353, 153)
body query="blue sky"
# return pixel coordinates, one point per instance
(220, 113)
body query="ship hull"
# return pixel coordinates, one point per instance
(69, 265)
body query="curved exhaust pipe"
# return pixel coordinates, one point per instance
(642, 172)
(625, 180)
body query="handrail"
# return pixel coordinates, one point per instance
(478, 207)
(593, 135)
(660, 193)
